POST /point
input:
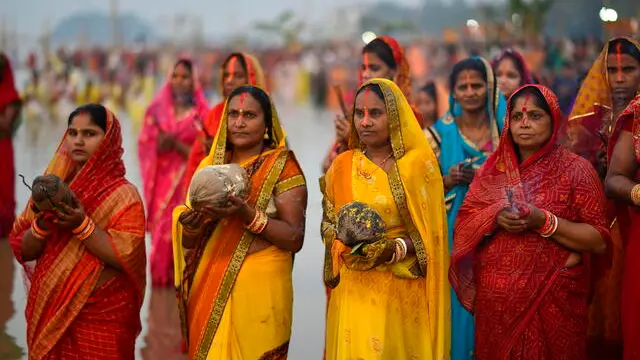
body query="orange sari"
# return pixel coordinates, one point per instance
(591, 127)
(70, 313)
(218, 281)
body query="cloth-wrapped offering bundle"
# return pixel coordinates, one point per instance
(49, 191)
(212, 185)
(358, 223)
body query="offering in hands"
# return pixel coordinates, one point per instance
(358, 223)
(212, 185)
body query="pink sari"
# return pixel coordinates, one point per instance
(162, 172)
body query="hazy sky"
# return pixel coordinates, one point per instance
(29, 16)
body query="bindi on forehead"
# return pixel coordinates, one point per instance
(467, 79)
(619, 60)
(526, 101)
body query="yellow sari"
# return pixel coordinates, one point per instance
(236, 306)
(400, 311)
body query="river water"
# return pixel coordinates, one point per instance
(309, 134)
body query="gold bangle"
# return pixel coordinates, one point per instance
(635, 194)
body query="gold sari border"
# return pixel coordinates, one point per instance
(393, 117)
(237, 259)
(397, 189)
(328, 232)
(290, 183)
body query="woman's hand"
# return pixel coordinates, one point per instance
(459, 175)
(165, 141)
(207, 143)
(511, 221)
(192, 219)
(235, 207)
(343, 128)
(534, 218)
(70, 217)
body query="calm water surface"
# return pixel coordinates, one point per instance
(309, 133)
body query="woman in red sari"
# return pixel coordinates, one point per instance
(609, 87)
(524, 237)
(9, 110)
(82, 247)
(238, 69)
(622, 186)
(168, 133)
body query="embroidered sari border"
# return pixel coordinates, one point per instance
(290, 183)
(397, 189)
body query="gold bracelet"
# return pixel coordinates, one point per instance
(635, 194)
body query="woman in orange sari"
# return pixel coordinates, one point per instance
(87, 283)
(234, 264)
(382, 58)
(608, 88)
(622, 187)
(237, 70)
(524, 239)
(168, 133)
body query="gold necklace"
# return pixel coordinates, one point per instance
(368, 175)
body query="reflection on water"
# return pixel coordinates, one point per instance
(163, 335)
(309, 135)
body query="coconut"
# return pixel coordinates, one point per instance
(359, 223)
(49, 190)
(212, 185)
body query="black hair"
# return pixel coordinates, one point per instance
(626, 47)
(375, 88)
(186, 63)
(536, 96)
(241, 60)
(265, 105)
(382, 50)
(97, 113)
(430, 89)
(515, 61)
(467, 64)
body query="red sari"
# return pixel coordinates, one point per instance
(527, 305)
(72, 311)
(8, 95)
(629, 220)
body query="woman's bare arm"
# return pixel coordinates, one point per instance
(622, 170)
(286, 232)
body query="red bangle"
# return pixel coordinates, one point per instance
(38, 232)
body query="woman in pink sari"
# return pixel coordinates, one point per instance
(166, 138)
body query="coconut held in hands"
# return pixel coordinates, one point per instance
(48, 191)
(212, 185)
(359, 223)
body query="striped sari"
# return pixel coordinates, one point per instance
(72, 311)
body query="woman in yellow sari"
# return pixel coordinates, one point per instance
(233, 265)
(389, 299)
